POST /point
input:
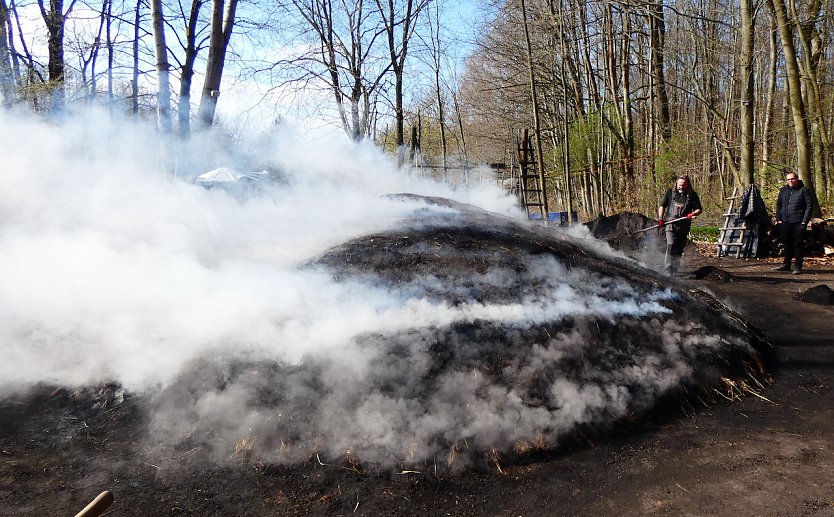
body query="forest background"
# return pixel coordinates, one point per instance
(620, 97)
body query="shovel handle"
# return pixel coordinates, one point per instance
(97, 506)
(658, 226)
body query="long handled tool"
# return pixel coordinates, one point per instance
(658, 226)
(97, 506)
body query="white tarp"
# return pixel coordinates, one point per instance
(218, 175)
(232, 180)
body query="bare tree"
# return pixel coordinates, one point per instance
(436, 50)
(403, 15)
(55, 19)
(8, 86)
(222, 24)
(187, 68)
(163, 95)
(810, 41)
(770, 103)
(346, 37)
(88, 52)
(747, 87)
(535, 111)
(797, 103)
(657, 24)
(134, 82)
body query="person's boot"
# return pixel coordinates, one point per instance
(676, 264)
(783, 267)
(668, 262)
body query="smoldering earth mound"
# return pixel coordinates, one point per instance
(521, 336)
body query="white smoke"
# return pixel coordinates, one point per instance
(113, 270)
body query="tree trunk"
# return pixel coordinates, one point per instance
(187, 73)
(94, 50)
(536, 122)
(748, 23)
(134, 83)
(566, 161)
(810, 40)
(436, 54)
(459, 117)
(163, 95)
(55, 20)
(110, 55)
(770, 109)
(658, 44)
(628, 121)
(8, 86)
(398, 57)
(797, 104)
(221, 33)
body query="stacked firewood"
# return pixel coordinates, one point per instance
(819, 239)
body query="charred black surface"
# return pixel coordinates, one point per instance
(77, 442)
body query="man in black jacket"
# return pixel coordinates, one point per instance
(793, 211)
(679, 201)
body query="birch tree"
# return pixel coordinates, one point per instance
(163, 94)
(8, 86)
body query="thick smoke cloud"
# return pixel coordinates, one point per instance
(114, 269)
(219, 311)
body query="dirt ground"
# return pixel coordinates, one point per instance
(771, 455)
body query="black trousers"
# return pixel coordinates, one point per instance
(793, 237)
(676, 235)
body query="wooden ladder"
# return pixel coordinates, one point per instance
(733, 235)
(530, 192)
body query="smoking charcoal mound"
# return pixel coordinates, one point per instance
(535, 335)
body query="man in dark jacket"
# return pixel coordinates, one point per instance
(793, 211)
(679, 201)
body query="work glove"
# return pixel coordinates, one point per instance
(689, 215)
(661, 223)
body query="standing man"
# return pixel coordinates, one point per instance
(793, 211)
(679, 201)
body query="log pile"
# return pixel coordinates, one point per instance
(819, 239)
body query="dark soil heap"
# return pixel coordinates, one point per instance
(713, 273)
(619, 231)
(819, 294)
(585, 366)
(521, 337)
(550, 339)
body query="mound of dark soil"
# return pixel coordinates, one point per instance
(819, 294)
(544, 339)
(713, 273)
(511, 337)
(622, 232)
(570, 340)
